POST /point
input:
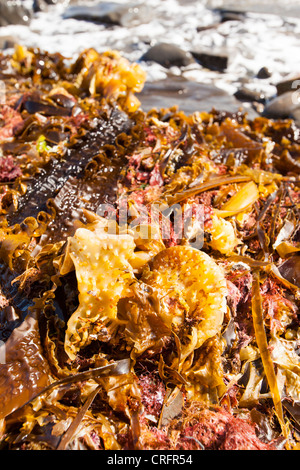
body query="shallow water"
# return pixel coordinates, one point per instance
(189, 96)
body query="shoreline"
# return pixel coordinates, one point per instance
(226, 54)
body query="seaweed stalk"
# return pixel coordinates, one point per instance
(262, 343)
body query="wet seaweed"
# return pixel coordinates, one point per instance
(210, 361)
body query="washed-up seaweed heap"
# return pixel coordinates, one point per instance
(123, 324)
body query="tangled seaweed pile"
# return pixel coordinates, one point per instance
(122, 334)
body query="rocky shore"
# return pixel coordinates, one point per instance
(197, 55)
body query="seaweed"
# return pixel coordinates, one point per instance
(126, 334)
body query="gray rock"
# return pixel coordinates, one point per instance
(14, 12)
(284, 106)
(167, 55)
(211, 60)
(112, 13)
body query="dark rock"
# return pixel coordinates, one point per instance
(38, 5)
(209, 26)
(284, 106)
(231, 16)
(112, 13)
(210, 60)
(289, 84)
(263, 73)
(248, 95)
(14, 12)
(167, 55)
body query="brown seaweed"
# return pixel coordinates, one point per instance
(74, 138)
(56, 172)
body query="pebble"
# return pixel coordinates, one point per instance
(212, 61)
(167, 55)
(231, 16)
(248, 95)
(263, 73)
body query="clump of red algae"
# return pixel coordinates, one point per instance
(8, 169)
(204, 429)
(197, 428)
(152, 394)
(279, 309)
(219, 429)
(11, 122)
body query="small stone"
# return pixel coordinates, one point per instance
(231, 16)
(212, 61)
(167, 55)
(206, 27)
(245, 94)
(263, 73)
